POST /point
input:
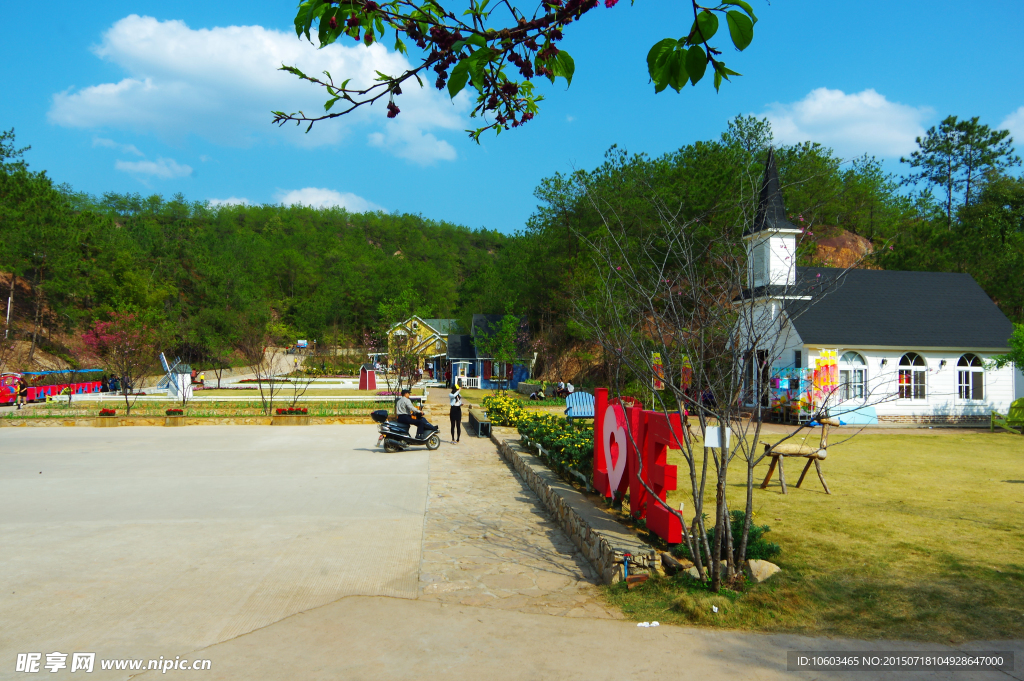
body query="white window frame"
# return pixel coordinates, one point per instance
(970, 371)
(859, 392)
(912, 370)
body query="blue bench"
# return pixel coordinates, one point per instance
(579, 405)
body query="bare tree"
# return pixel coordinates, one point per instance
(262, 359)
(674, 303)
(127, 345)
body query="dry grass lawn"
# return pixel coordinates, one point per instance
(921, 539)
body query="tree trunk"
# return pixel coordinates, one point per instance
(10, 304)
(35, 329)
(716, 550)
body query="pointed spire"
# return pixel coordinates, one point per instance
(771, 212)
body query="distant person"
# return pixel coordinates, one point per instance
(202, 378)
(569, 389)
(22, 396)
(455, 413)
(560, 391)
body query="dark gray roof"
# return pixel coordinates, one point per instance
(460, 346)
(771, 211)
(907, 310)
(443, 326)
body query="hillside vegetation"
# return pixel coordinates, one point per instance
(202, 273)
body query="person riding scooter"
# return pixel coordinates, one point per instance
(407, 414)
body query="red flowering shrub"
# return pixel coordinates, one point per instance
(108, 412)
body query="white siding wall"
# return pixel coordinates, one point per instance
(782, 260)
(942, 396)
(767, 314)
(772, 260)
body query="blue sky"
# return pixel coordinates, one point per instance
(175, 97)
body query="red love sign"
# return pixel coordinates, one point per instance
(625, 438)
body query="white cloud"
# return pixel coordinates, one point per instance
(232, 201)
(1015, 124)
(412, 143)
(221, 84)
(164, 168)
(327, 198)
(855, 124)
(111, 144)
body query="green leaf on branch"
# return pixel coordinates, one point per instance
(477, 61)
(704, 28)
(476, 40)
(330, 102)
(677, 74)
(741, 28)
(745, 6)
(400, 46)
(460, 76)
(564, 66)
(657, 57)
(696, 63)
(326, 35)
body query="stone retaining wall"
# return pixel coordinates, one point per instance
(188, 421)
(603, 541)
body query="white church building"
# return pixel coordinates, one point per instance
(912, 347)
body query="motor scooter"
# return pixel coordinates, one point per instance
(397, 438)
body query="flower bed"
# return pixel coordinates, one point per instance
(175, 412)
(567, 445)
(293, 411)
(566, 448)
(108, 412)
(503, 410)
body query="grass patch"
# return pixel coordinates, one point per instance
(476, 395)
(921, 539)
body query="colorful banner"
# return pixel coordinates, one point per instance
(658, 379)
(826, 378)
(685, 374)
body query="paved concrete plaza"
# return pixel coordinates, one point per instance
(308, 553)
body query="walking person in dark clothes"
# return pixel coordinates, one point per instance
(455, 414)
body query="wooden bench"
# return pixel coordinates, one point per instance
(579, 405)
(478, 420)
(814, 455)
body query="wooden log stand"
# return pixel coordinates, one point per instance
(814, 455)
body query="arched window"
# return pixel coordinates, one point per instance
(852, 375)
(913, 372)
(970, 378)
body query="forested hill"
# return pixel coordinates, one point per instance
(202, 273)
(199, 272)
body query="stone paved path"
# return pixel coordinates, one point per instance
(488, 542)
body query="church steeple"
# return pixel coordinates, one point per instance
(771, 240)
(771, 211)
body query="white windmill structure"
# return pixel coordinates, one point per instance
(178, 379)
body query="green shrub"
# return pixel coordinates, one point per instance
(758, 548)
